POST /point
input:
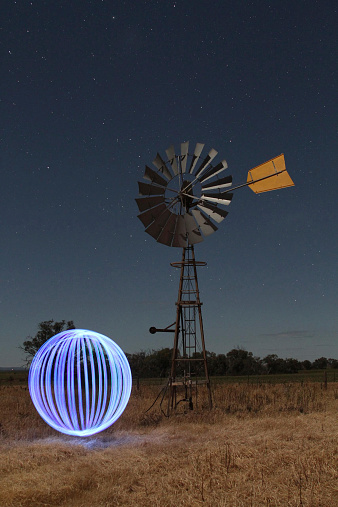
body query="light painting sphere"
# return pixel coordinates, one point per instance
(80, 382)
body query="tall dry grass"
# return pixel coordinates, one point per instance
(261, 445)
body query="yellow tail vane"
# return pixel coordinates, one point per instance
(271, 175)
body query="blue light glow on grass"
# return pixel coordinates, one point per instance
(80, 382)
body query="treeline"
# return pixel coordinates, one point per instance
(157, 363)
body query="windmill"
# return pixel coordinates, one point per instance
(182, 202)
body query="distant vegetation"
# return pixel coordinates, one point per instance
(46, 330)
(156, 363)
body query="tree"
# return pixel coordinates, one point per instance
(46, 330)
(332, 363)
(306, 365)
(220, 365)
(275, 364)
(320, 363)
(137, 363)
(159, 362)
(242, 362)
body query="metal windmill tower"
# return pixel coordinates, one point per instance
(180, 205)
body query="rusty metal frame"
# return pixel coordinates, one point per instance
(186, 341)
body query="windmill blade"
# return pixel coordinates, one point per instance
(149, 216)
(154, 177)
(185, 217)
(209, 158)
(148, 189)
(145, 203)
(198, 150)
(205, 225)
(168, 231)
(184, 155)
(220, 198)
(214, 171)
(156, 227)
(160, 164)
(172, 158)
(222, 183)
(213, 211)
(271, 175)
(193, 233)
(180, 236)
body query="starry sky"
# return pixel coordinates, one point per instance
(91, 90)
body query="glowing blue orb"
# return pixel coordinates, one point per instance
(80, 382)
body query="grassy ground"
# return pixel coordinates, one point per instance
(261, 445)
(20, 377)
(329, 375)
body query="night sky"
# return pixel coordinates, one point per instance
(91, 90)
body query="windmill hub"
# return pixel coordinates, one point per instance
(185, 194)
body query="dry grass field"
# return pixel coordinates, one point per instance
(261, 445)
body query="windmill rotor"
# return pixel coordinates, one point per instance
(183, 199)
(187, 195)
